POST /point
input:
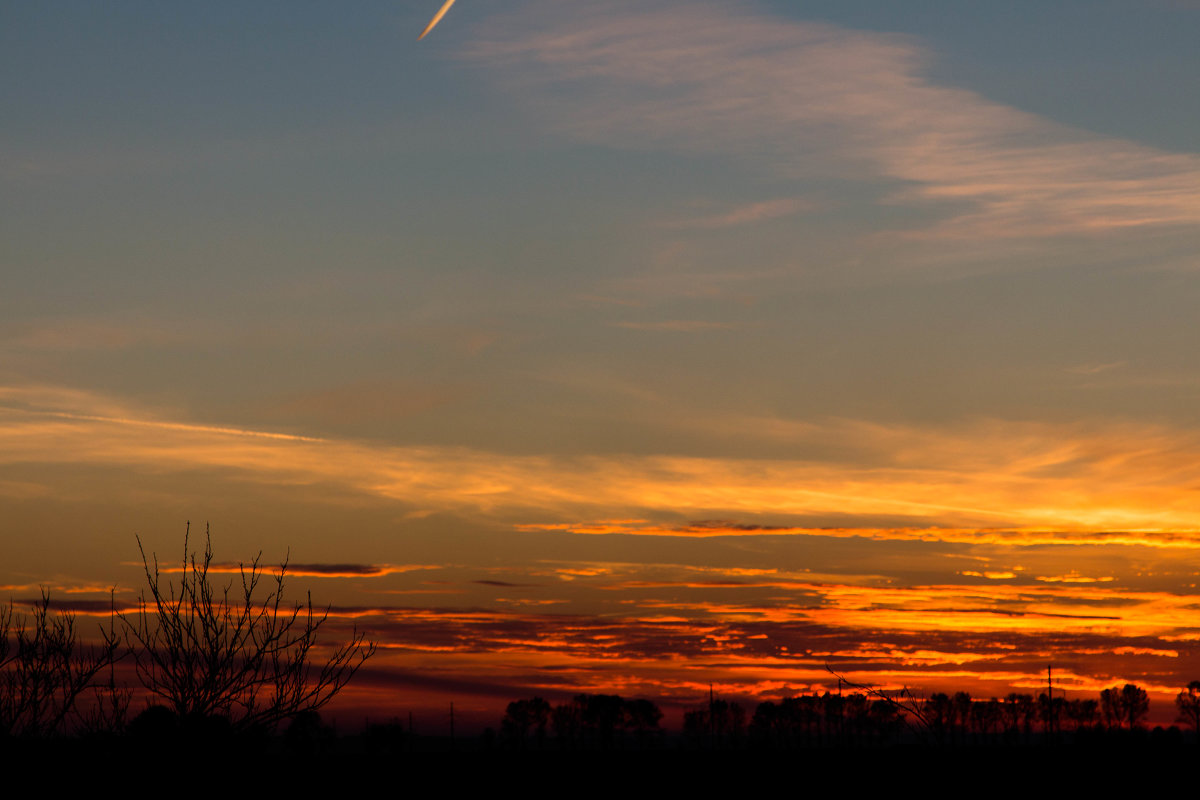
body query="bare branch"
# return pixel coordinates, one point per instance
(907, 705)
(239, 654)
(44, 671)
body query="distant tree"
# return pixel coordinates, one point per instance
(642, 718)
(597, 721)
(1110, 707)
(1188, 703)
(234, 653)
(602, 718)
(947, 716)
(1135, 704)
(806, 713)
(523, 720)
(1126, 706)
(1051, 710)
(565, 720)
(307, 735)
(961, 720)
(389, 738)
(718, 723)
(1019, 713)
(887, 720)
(729, 722)
(986, 716)
(856, 717)
(833, 708)
(1011, 712)
(939, 710)
(1083, 713)
(44, 671)
(768, 726)
(697, 731)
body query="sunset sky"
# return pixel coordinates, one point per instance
(620, 346)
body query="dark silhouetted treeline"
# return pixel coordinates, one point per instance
(852, 720)
(587, 722)
(232, 668)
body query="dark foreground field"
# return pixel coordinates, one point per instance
(432, 766)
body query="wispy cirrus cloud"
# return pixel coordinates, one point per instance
(82, 334)
(995, 474)
(675, 325)
(1111, 482)
(810, 99)
(746, 214)
(1095, 369)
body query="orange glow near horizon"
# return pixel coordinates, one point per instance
(575, 625)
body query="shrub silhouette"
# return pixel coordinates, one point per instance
(227, 653)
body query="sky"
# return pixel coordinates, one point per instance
(625, 347)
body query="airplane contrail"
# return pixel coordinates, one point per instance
(436, 18)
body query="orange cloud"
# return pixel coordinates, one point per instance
(670, 657)
(978, 536)
(991, 481)
(1073, 577)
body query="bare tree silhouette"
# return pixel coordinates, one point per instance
(227, 653)
(44, 671)
(903, 705)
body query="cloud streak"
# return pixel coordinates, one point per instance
(311, 570)
(811, 99)
(746, 214)
(1015, 537)
(1049, 483)
(675, 326)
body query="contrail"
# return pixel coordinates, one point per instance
(172, 426)
(436, 18)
